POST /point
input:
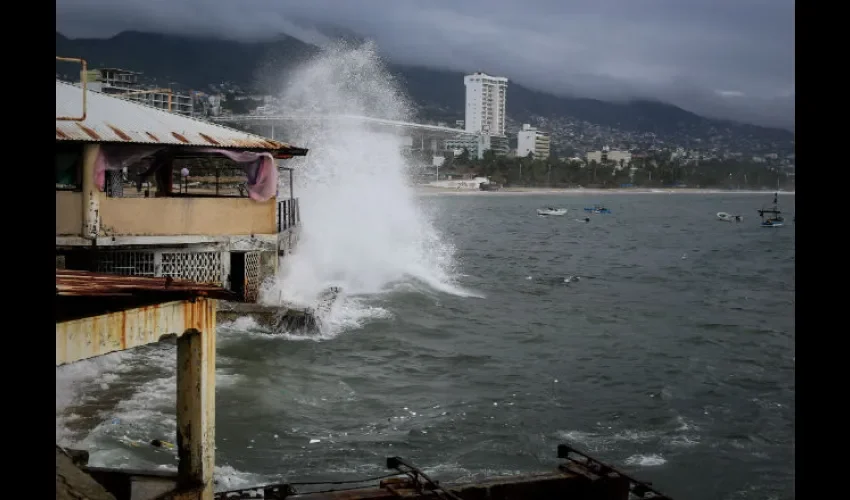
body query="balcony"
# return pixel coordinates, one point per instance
(168, 216)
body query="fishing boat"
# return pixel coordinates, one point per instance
(772, 217)
(725, 217)
(597, 209)
(551, 211)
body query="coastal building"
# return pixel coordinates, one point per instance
(125, 83)
(477, 144)
(205, 104)
(485, 104)
(533, 141)
(144, 192)
(620, 159)
(467, 183)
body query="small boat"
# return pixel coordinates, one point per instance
(729, 217)
(597, 209)
(551, 211)
(772, 217)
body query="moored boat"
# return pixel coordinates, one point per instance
(551, 211)
(772, 217)
(726, 217)
(597, 209)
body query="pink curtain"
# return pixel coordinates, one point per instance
(259, 168)
(112, 158)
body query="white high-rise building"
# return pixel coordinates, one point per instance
(531, 140)
(485, 104)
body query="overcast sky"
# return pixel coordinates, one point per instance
(724, 58)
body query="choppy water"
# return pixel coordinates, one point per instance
(672, 356)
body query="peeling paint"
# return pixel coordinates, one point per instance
(89, 337)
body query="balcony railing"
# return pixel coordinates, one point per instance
(288, 214)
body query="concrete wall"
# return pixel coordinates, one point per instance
(181, 216)
(69, 213)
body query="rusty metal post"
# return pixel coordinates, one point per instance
(196, 411)
(83, 82)
(91, 194)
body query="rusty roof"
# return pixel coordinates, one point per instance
(87, 284)
(117, 120)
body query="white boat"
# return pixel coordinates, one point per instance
(729, 217)
(551, 211)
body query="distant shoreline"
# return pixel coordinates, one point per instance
(573, 191)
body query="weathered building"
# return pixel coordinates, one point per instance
(144, 192)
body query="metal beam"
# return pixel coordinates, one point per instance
(116, 331)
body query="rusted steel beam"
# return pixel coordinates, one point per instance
(561, 484)
(196, 412)
(523, 487)
(97, 335)
(72, 283)
(419, 480)
(591, 467)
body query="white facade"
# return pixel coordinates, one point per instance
(531, 140)
(485, 104)
(610, 157)
(461, 184)
(477, 144)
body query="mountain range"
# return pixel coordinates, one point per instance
(196, 62)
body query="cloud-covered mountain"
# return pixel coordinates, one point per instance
(197, 61)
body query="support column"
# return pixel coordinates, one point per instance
(91, 194)
(196, 413)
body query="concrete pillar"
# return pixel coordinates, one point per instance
(196, 412)
(91, 194)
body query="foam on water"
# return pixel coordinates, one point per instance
(126, 415)
(646, 460)
(363, 227)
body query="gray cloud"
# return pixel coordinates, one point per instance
(724, 58)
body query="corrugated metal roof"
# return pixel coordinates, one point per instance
(86, 284)
(112, 119)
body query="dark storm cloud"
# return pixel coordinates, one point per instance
(725, 58)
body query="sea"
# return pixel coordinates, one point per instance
(474, 336)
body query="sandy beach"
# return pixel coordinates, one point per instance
(429, 190)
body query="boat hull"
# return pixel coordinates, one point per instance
(723, 216)
(552, 212)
